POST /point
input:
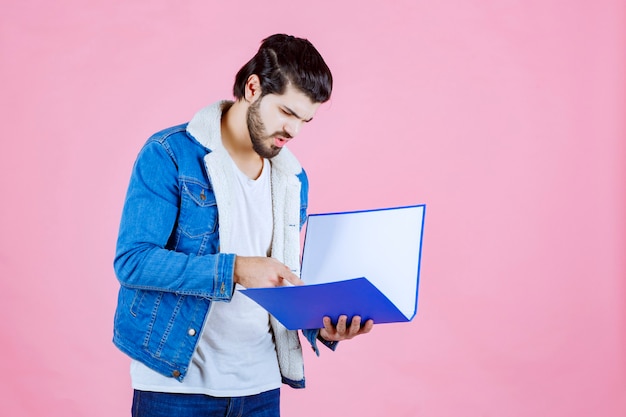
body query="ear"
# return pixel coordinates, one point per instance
(253, 88)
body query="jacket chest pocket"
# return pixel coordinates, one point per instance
(198, 209)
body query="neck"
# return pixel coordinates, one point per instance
(236, 139)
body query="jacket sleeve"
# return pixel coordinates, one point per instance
(148, 219)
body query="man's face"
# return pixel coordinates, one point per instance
(282, 115)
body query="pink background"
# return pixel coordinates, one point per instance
(507, 118)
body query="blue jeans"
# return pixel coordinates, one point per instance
(161, 404)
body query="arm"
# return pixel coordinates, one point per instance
(148, 218)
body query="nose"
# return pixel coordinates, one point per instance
(292, 128)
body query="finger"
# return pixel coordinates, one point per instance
(291, 277)
(341, 324)
(355, 326)
(328, 325)
(367, 326)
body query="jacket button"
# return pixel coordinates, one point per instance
(191, 332)
(176, 374)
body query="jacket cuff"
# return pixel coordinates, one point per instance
(313, 335)
(224, 281)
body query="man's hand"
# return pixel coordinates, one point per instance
(258, 271)
(342, 331)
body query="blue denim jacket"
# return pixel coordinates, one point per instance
(168, 258)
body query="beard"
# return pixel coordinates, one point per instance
(261, 143)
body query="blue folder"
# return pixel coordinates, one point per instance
(339, 244)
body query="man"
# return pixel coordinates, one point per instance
(214, 205)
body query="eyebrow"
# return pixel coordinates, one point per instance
(293, 113)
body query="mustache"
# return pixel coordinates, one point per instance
(281, 134)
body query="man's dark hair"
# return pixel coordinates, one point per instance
(284, 59)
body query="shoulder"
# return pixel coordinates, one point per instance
(174, 141)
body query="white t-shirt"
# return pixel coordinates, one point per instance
(235, 355)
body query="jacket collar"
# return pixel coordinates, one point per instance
(205, 128)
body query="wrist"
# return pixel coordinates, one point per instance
(236, 266)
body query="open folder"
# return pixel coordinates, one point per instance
(364, 263)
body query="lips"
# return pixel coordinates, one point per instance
(280, 142)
